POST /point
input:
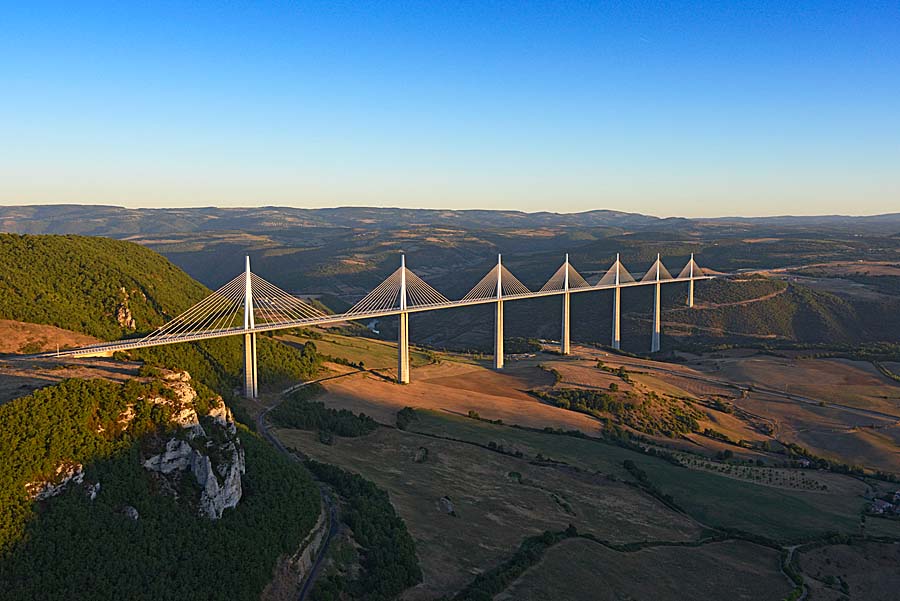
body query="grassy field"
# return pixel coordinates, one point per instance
(498, 500)
(777, 513)
(868, 569)
(582, 570)
(852, 383)
(376, 354)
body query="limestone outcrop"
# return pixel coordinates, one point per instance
(205, 448)
(66, 473)
(209, 451)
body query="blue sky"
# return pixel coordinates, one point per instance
(752, 108)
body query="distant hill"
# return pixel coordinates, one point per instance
(120, 222)
(98, 286)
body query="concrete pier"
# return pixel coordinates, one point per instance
(498, 335)
(251, 378)
(565, 346)
(654, 343)
(617, 318)
(403, 349)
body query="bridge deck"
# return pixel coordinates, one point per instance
(123, 345)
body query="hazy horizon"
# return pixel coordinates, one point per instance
(421, 208)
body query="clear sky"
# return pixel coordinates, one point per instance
(670, 108)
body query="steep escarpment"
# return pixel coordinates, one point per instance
(129, 491)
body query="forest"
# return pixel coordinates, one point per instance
(389, 562)
(66, 537)
(78, 283)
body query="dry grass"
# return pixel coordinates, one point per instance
(869, 569)
(28, 338)
(852, 383)
(494, 511)
(459, 388)
(20, 377)
(579, 569)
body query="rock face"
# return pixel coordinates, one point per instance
(205, 448)
(123, 312)
(210, 451)
(66, 473)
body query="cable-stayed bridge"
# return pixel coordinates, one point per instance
(248, 304)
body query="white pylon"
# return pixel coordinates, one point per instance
(403, 329)
(251, 382)
(654, 342)
(498, 317)
(690, 298)
(617, 310)
(564, 343)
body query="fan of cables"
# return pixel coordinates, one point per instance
(486, 288)
(386, 296)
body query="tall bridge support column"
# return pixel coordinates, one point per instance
(498, 317)
(690, 298)
(654, 343)
(565, 346)
(251, 383)
(403, 349)
(617, 318)
(498, 336)
(403, 330)
(251, 379)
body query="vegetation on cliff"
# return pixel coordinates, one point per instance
(168, 552)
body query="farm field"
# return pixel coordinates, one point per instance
(715, 500)
(845, 428)
(582, 570)
(498, 500)
(376, 354)
(852, 383)
(869, 571)
(458, 387)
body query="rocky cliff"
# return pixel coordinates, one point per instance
(204, 448)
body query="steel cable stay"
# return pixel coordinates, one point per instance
(221, 313)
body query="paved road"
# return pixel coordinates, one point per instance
(262, 426)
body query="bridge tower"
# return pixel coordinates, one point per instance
(498, 318)
(654, 342)
(403, 329)
(251, 382)
(690, 298)
(565, 346)
(617, 310)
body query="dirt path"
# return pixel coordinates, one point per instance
(749, 301)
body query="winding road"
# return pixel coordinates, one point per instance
(262, 426)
